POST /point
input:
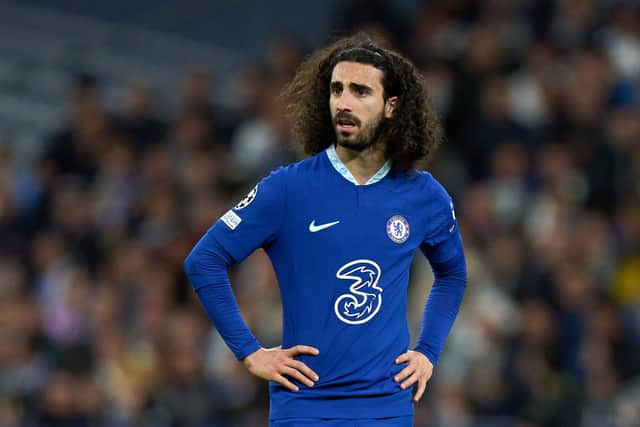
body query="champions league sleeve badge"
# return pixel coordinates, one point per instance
(398, 229)
(247, 200)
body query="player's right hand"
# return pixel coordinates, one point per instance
(276, 364)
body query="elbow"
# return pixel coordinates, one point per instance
(458, 279)
(463, 276)
(190, 264)
(205, 263)
(464, 280)
(452, 273)
(460, 276)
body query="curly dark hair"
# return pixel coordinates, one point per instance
(412, 133)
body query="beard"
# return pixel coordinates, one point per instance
(367, 136)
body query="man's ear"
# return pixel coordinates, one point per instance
(390, 106)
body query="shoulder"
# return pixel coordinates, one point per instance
(310, 164)
(295, 171)
(426, 187)
(291, 176)
(436, 207)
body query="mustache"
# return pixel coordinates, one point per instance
(343, 116)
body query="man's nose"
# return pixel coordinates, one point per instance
(345, 110)
(343, 103)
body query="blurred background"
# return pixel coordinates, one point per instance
(127, 128)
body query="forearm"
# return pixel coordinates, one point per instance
(446, 295)
(206, 266)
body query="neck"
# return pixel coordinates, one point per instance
(362, 164)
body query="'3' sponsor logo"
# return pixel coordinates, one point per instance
(364, 299)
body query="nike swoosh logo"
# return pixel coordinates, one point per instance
(314, 228)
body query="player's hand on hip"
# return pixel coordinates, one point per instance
(418, 370)
(276, 364)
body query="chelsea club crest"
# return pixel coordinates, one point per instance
(398, 229)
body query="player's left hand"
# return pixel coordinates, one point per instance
(418, 370)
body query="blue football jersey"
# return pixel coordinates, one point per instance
(342, 254)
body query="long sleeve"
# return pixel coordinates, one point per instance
(206, 266)
(449, 268)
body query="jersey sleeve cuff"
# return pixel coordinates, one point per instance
(433, 358)
(248, 349)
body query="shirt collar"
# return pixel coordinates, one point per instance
(344, 171)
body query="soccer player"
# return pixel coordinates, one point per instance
(341, 228)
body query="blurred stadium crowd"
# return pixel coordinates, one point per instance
(541, 104)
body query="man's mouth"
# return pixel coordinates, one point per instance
(344, 124)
